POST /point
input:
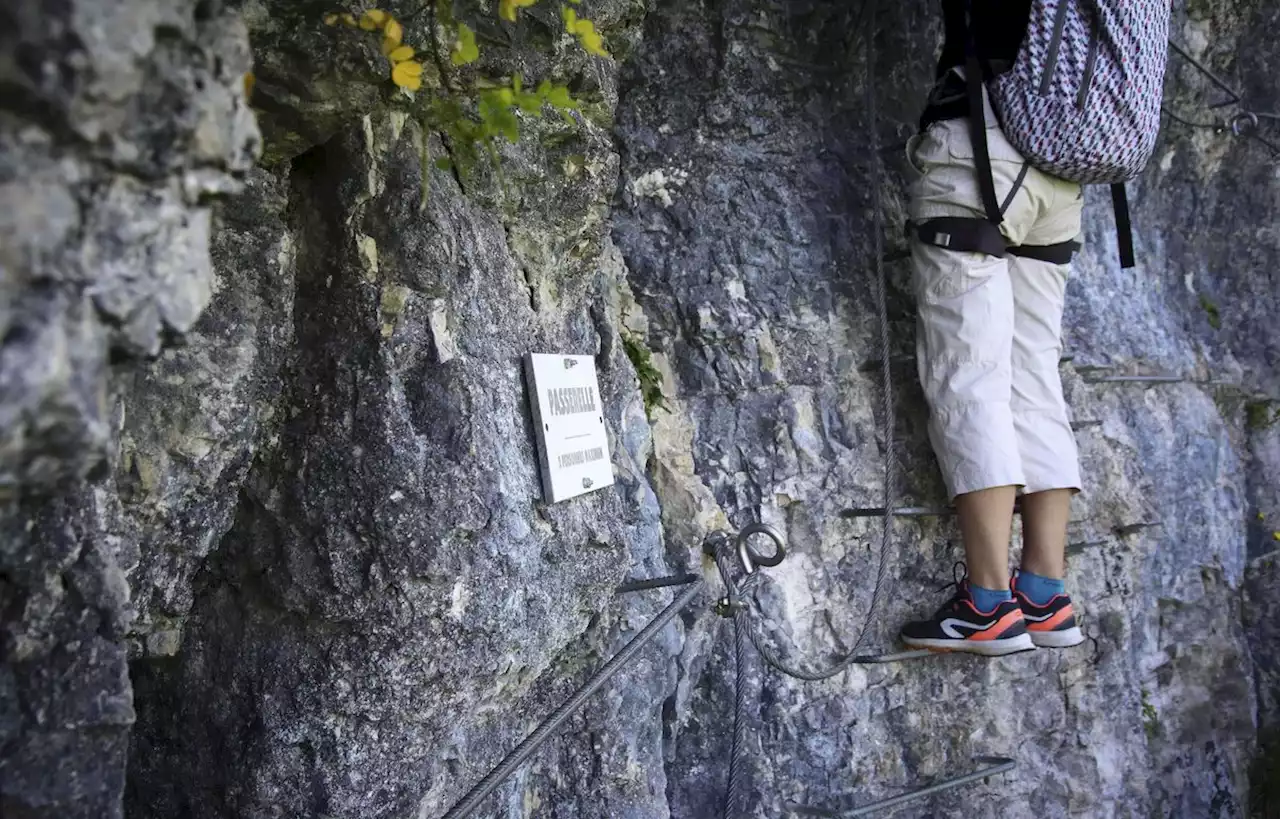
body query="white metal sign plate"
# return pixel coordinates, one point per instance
(569, 424)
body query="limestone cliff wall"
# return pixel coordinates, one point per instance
(271, 542)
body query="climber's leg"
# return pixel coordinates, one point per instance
(1046, 444)
(965, 325)
(965, 329)
(964, 354)
(1044, 532)
(1045, 441)
(986, 524)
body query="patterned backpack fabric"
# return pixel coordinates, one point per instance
(1082, 100)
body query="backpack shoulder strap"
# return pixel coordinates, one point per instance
(975, 76)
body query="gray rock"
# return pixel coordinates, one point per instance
(118, 125)
(119, 122)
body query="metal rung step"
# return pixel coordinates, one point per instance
(993, 765)
(899, 512)
(911, 511)
(644, 584)
(1135, 379)
(874, 364)
(1083, 546)
(895, 657)
(1127, 529)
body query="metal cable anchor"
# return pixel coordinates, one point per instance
(749, 558)
(1243, 123)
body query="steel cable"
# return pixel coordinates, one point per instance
(880, 286)
(521, 753)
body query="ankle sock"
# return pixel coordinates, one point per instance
(987, 599)
(1038, 588)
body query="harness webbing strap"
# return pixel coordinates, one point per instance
(1017, 186)
(1124, 226)
(973, 235)
(962, 233)
(1059, 253)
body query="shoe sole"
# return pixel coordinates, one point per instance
(1066, 638)
(986, 648)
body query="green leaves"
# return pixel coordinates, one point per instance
(1211, 310)
(496, 116)
(527, 101)
(509, 9)
(498, 106)
(465, 51)
(469, 111)
(557, 96)
(1262, 414)
(649, 376)
(584, 30)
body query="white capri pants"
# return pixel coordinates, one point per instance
(989, 330)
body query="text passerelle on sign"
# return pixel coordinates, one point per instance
(573, 445)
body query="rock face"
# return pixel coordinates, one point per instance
(118, 123)
(272, 541)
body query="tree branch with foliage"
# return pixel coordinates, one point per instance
(472, 115)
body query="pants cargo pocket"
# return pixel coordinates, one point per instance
(941, 276)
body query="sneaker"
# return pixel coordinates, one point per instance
(959, 626)
(1052, 625)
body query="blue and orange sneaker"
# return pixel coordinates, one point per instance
(960, 626)
(1052, 625)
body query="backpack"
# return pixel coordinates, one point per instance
(1080, 102)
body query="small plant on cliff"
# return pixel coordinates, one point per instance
(650, 378)
(472, 111)
(1262, 414)
(1211, 310)
(1150, 719)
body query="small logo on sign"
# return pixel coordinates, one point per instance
(587, 483)
(569, 363)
